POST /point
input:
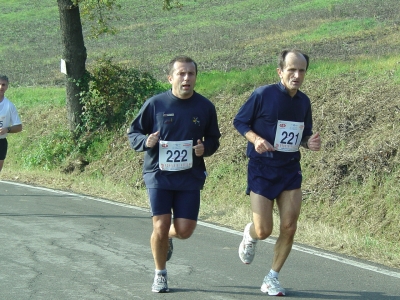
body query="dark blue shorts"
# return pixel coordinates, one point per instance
(3, 149)
(270, 181)
(182, 204)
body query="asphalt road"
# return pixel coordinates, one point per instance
(58, 245)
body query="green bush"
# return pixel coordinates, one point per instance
(114, 92)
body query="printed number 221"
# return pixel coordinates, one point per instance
(289, 136)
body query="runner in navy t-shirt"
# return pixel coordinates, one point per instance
(176, 129)
(276, 120)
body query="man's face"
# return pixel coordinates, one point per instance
(3, 87)
(183, 79)
(292, 75)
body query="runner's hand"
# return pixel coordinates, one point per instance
(314, 142)
(3, 130)
(199, 148)
(261, 145)
(152, 139)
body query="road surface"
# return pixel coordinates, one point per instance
(59, 245)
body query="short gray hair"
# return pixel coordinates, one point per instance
(282, 57)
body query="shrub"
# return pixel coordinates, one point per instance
(114, 91)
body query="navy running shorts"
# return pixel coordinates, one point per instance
(270, 181)
(182, 204)
(3, 149)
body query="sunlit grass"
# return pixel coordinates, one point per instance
(364, 67)
(28, 97)
(337, 29)
(235, 81)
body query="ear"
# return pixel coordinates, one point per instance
(169, 78)
(279, 71)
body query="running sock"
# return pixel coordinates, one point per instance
(273, 274)
(161, 272)
(249, 238)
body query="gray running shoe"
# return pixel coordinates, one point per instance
(160, 284)
(247, 248)
(272, 286)
(170, 249)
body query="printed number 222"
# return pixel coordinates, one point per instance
(174, 156)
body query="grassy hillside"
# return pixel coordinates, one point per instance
(351, 202)
(220, 34)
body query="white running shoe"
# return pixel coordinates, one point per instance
(272, 286)
(247, 248)
(160, 284)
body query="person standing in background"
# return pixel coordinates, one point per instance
(276, 120)
(9, 119)
(176, 130)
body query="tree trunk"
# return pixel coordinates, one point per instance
(74, 54)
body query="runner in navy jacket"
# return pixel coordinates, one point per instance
(176, 129)
(176, 119)
(276, 120)
(261, 113)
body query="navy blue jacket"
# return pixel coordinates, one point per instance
(176, 119)
(261, 112)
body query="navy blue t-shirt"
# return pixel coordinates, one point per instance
(261, 112)
(177, 120)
